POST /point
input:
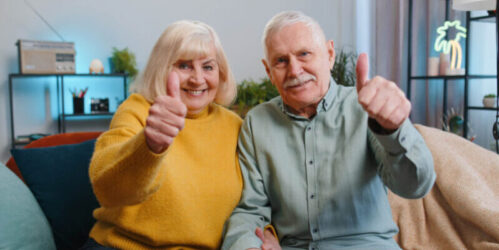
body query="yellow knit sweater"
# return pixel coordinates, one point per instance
(178, 199)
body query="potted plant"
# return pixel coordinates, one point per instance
(123, 61)
(489, 100)
(251, 93)
(343, 71)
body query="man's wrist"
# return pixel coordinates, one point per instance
(377, 128)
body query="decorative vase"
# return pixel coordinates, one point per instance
(433, 66)
(489, 102)
(443, 64)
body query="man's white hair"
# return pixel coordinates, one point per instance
(287, 18)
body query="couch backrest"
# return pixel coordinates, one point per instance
(53, 140)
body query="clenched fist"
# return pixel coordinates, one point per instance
(380, 98)
(166, 117)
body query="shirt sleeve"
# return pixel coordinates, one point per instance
(123, 170)
(253, 209)
(405, 162)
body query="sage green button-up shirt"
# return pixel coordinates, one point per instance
(321, 182)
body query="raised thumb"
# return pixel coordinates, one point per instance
(362, 70)
(173, 85)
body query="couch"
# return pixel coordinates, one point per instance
(462, 209)
(47, 199)
(54, 208)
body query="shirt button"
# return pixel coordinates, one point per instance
(402, 139)
(312, 196)
(309, 128)
(315, 230)
(311, 162)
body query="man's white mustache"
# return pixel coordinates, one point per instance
(301, 79)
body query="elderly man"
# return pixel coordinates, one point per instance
(317, 160)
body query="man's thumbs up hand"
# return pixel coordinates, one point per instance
(166, 117)
(362, 71)
(380, 98)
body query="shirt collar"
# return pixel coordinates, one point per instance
(327, 101)
(324, 105)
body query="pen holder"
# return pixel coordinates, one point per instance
(77, 105)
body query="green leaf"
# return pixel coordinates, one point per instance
(251, 93)
(343, 71)
(124, 62)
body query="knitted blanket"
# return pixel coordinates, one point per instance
(462, 209)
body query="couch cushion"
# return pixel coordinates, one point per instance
(54, 140)
(58, 178)
(22, 222)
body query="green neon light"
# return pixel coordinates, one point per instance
(445, 46)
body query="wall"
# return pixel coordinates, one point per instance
(96, 26)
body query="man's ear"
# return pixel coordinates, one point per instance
(331, 53)
(267, 69)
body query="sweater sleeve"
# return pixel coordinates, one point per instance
(254, 208)
(123, 170)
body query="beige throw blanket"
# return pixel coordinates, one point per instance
(462, 209)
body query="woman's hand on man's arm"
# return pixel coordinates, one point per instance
(269, 241)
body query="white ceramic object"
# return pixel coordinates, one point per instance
(433, 66)
(489, 102)
(443, 64)
(96, 66)
(455, 72)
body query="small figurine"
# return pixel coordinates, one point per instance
(96, 66)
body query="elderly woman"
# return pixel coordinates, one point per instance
(166, 173)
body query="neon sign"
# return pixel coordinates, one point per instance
(451, 46)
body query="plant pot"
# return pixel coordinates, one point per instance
(489, 102)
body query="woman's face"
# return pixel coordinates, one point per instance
(199, 79)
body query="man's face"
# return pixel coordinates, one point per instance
(299, 66)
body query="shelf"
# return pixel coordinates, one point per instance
(28, 139)
(487, 19)
(90, 114)
(91, 75)
(21, 143)
(482, 108)
(62, 115)
(98, 75)
(453, 77)
(482, 76)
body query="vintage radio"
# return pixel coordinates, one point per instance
(43, 57)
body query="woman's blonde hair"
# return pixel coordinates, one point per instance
(184, 40)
